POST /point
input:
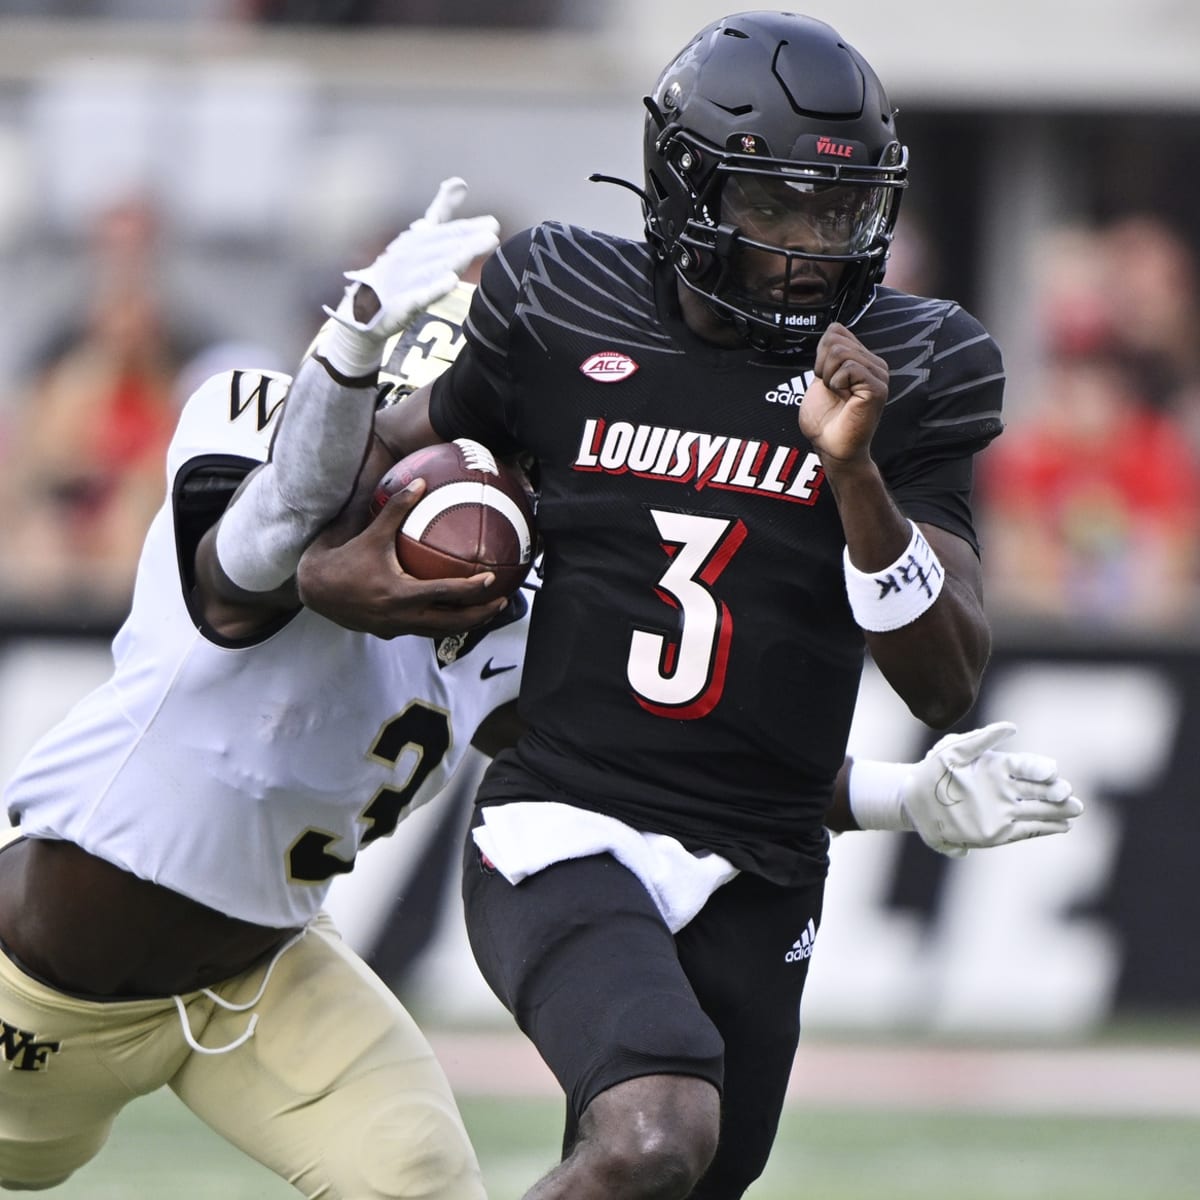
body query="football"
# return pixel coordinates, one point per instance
(476, 515)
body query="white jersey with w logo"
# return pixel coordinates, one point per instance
(249, 775)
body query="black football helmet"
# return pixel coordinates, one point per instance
(773, 175)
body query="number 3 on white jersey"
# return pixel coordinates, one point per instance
(682, 676)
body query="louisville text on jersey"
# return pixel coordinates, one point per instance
(700, 459)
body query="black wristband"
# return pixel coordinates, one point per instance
(350, 381)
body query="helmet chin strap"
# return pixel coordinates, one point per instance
(758, 335)
(761, 336)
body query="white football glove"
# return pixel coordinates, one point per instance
(965, 795)
(414, 270)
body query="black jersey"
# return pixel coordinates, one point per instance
(692, 663)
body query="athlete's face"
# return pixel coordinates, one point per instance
(798, 216)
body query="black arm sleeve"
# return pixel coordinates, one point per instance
(471, 399)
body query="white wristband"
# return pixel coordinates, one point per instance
(897, 595)
(349, 351)
(874, 792)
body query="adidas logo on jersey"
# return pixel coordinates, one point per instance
(791, 391)
(802, 947)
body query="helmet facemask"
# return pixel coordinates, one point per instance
(787, 250)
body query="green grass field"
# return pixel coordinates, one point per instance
(158, 1148)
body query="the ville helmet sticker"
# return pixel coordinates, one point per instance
(608, 366)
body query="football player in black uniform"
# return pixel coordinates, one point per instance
(754, 462)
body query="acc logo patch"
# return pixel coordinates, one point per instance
(608, 366)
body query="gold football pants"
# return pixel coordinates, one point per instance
(335, 1090)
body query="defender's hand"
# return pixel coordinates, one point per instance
(965, 795)
(414, 270)
(843, 404)
(360, 584)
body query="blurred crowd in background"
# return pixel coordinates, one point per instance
(1090, 501)
(478, 14)
(1089, 505)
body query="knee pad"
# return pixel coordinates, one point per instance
(649, 1036)
(36, 1166)
(416, 1146)
(9, 1185)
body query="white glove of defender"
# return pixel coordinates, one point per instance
(965, 795)
(415, 269)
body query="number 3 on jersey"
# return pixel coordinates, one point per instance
(682, 676)
(422, 728)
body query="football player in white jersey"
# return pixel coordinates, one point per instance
(160, 900)
(161, 909)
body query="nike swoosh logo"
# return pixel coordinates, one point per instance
(488, 670)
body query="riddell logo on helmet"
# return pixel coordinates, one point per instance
(609, 366)
(837, 149)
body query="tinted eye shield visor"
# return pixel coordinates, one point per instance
(839, 209)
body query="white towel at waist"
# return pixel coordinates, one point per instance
(523, 838)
